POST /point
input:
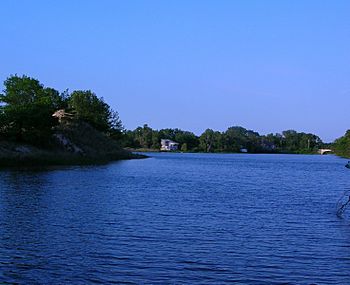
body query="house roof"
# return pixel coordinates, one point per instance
(169, 141)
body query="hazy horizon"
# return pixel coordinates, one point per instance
(268, 66)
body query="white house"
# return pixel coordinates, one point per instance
(168, 145)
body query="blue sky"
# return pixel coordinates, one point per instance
(265, 65)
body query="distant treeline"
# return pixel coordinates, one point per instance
(234, 139)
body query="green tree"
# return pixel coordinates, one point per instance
(168, 134)
(128, 139)
(95, 111)
(207, 140)
(291, 140)
(155, 140)
(184, 147)
(188, 138)
(235, 139)
(26, 113)
(143, 136)
(300, 142)
(341, 145)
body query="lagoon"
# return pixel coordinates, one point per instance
(177, 219)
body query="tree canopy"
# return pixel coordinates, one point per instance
(26, 112)
(342, 145)
(94, 110)
(234, 139)
(27, 106)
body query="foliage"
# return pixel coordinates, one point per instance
(300, 142)
(27, 106)
(26, 113)
(237, 138)
(26, 116)
(342, 145)
(94, 111)
(234, 139)
(209, 141)
(144, 136)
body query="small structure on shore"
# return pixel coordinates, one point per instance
(168, 145)
(63, 116)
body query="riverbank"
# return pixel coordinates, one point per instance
(21, 155)
(76, 143)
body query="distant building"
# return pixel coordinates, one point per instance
(168, 145)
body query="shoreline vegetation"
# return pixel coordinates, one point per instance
(235, 139)
(143, 150)
(42, 126)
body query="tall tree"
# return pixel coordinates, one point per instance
(342, 145)
(26, 113)
(143, 135)
(95, 111)
(207, 140)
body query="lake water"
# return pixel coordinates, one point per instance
(177, 219)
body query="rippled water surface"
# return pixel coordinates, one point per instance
(177, 219)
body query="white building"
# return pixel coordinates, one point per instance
(168, 145)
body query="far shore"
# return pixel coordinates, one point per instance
(150, 150)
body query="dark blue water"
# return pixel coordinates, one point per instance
(177, 219)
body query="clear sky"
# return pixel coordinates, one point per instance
(265, 65)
